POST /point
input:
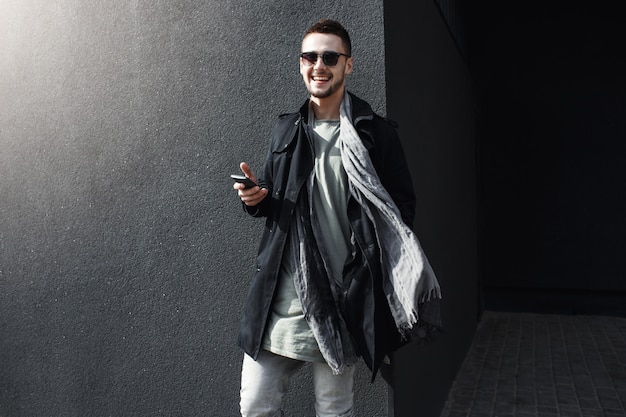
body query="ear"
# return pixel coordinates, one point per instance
(348, 68)
(301, 69)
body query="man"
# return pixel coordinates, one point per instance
(340, 274)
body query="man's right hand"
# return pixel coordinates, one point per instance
(250, 196)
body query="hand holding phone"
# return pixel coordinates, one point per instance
(243, 180)
(251, 194)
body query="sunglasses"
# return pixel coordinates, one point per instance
(330, 58)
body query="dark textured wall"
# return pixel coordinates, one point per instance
(552, 134)
(124, 256)
(429, 93)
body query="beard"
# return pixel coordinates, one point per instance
(336, 85)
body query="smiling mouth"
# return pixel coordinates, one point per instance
(320, 78)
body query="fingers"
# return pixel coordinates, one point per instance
(247, 171)
(252, 196)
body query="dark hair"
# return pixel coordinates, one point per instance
(334, 28)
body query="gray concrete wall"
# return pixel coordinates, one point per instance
(429, 93)
(124, 256)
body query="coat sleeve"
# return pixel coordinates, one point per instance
(282, 137)
(393, 169)
(263, 209)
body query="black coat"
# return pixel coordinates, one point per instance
(289, 163)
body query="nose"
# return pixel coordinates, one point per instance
(319, 63)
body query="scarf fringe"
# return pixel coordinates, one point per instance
(332, 350)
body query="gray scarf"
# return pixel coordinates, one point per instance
(315, 287)
(408, 279)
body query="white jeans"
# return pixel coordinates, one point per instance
(264, 383)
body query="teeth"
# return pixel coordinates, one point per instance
(321, 78)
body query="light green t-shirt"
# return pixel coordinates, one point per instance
(287, 333)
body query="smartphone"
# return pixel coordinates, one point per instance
(244, 180)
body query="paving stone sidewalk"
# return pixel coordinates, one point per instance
(524, 365)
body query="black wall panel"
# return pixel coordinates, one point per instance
(552, 88)
(430, 95)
